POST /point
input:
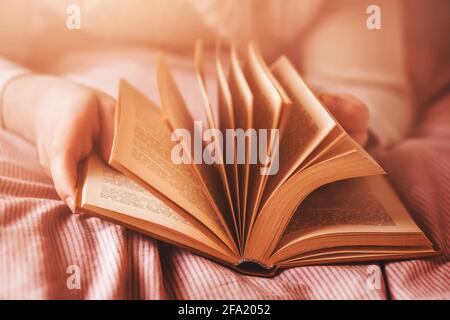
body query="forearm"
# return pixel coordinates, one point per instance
(9, 71)
(20, 97)
(26, 98)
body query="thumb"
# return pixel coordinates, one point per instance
(63, 167)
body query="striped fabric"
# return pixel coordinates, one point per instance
(420, 171)
(43, 246)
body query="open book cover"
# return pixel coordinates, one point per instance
(264, 179)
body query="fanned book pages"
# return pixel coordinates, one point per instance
(262, 178)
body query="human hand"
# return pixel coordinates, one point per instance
(351, 113)
(65, 121)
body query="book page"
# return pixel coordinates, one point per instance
(176, 111)
(352, 256)
(340, 162)
(349, 202)
(142, 148)
(227, 122)
(309, 123)
(243, 117)
(110, 194)
(361, 206)
(286, 102)
(266, 115)
(218, 138)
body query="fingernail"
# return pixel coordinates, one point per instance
(71, 204)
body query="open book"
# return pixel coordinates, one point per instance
(287, 187)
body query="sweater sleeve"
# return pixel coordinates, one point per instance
(8, 71)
